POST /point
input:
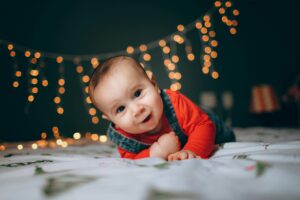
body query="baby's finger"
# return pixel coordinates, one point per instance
(170, 157)
(183, 155)
(191, 155)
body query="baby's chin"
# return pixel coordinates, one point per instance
(144, 131)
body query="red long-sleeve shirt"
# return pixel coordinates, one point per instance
(193, 122)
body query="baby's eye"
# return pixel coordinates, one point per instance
(137, 93)
(120, 109)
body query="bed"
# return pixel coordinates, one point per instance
(264, 163)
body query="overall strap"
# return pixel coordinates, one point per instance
(128, 144)
(171, 117)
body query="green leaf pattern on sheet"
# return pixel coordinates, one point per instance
(60, 184)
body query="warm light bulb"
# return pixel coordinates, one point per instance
(79, 69)
(30, 98)
(34, 146)
(198, 25)
(103, 138)
(34, 90)
(45, 83)
(166, 49)
(92, 111)
(178, 75)
(217, 3)
(64, 144)
(34, 72)
(173, 87)
(20, 147)
(171, 75)
(175, 59)
(95, 120)
(205, 70)
(203, 30)
(171, 66)
(206, 58)
(86, 89)
(205, 38)
(2, 148)
(37, 55)
(61, 82)
(214, 43)
(10, 47)
(207, 50)
(61, 90)
(180, 27)
(59, 59)
(85, 78)
(235, 12)
(147, 57)
(57, 100)
(215, 75)
(88, 100)
(207, 24)
(27, 54)
(95, 62)
(16, 84)
(221, 10)
(95, 137)
(162, 43)
(212, 34)
(43, 135)
(77, 136)
(167, 62)
(18, 73)
(206, 18)
(12, 53)
(130, 50)
(191, 56)
(233, 31)
(34, 81)
(214, 54)
(60, 110)
(143, 47)
(228, 4)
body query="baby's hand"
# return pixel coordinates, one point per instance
(165, 145)
(169, 142)
(182, 155)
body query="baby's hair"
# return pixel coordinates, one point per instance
(106, 66)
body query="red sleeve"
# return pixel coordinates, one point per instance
(196, 124)
(126, 154)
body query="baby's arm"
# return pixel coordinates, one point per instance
(167, 144)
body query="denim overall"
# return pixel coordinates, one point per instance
(223, 133)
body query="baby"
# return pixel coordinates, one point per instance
(147, 121)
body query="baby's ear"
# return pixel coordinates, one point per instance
(151, 77)
(105, 117)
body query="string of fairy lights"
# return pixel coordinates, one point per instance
(37, 62)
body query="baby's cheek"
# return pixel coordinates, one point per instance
(125, 124)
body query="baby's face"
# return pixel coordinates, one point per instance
(130, 100)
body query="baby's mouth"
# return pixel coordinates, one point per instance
(147, 119)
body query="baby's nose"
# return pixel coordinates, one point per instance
(138, 110)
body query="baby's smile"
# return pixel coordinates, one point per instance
(147, 119)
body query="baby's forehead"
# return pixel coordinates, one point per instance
(127, 65)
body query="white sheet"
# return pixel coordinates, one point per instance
(241, 170)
